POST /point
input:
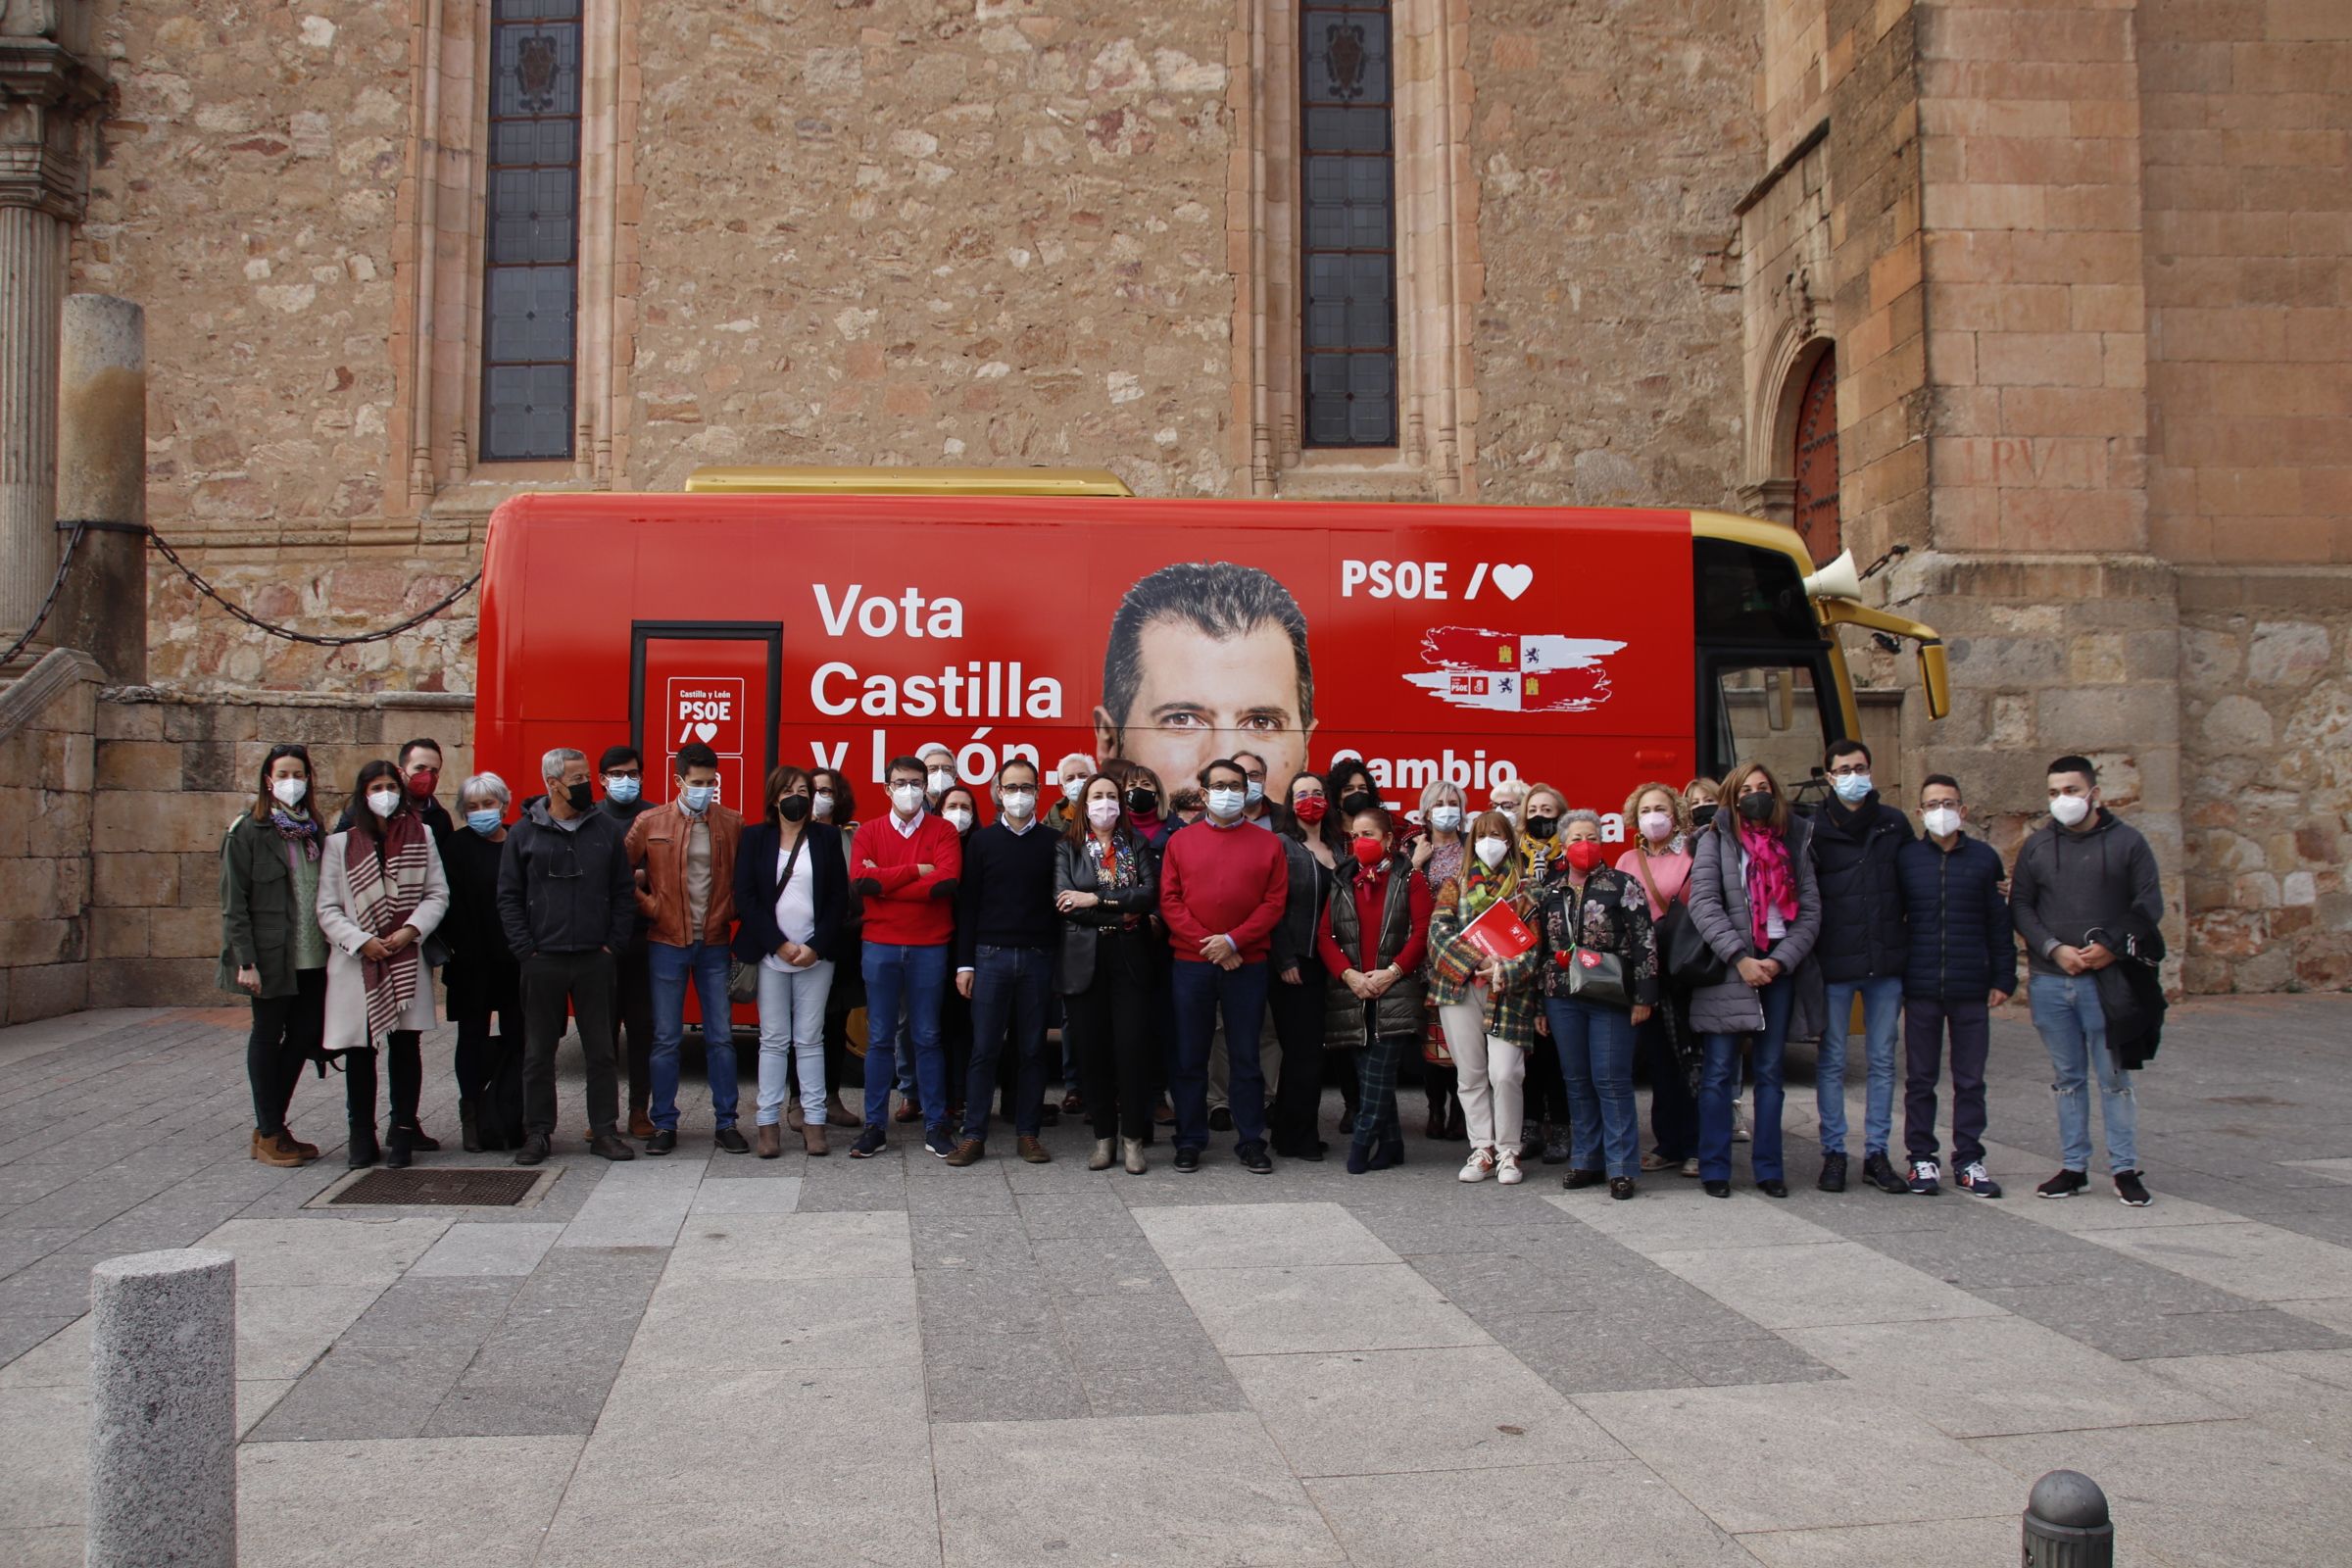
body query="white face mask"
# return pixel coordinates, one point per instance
(2070, 809)
(1850, 787)
(940, 780)
(1072, 788)
(1225, 804)
(1254, 792)
(289, 792)
(1445, 818)
(1103, 813)
(1657, 826)
(697, 797)
(1019, 804)
(1492, 851)
(1942, 821)
(960, 818)
(621, 787)
(908, 798)
(384, 802)
(821, 805)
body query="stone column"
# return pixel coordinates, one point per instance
(102, 476)
(163, 1483)
(48, 95)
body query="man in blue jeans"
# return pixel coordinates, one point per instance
(906, 863)
(1862, 952)
(1005, 935)
(2081, 880)
(683, 855)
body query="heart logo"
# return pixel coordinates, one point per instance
(1591, 961)
(1512, 580)
(703, 732)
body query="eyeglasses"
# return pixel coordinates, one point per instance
(1849, 769)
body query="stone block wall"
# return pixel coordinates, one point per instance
(170, 772)
(46, 776)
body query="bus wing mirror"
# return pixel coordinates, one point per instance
(1935, 667)
(1936, 677)
(1780, 700)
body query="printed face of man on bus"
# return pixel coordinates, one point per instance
(1206, 658)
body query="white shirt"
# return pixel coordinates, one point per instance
(796, 909)
(1775, 927)
(907, 825)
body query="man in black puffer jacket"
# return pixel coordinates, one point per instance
(1861, 953)
(1963, 964)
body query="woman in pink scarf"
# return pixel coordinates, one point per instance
(1753, 897)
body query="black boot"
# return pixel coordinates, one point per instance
(469, 1133)
(397, 1144)
(359, 1106)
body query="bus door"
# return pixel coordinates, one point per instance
(720, 682)
(1767, 704)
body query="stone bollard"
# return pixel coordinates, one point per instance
(2067, 1524)
(164, 1411)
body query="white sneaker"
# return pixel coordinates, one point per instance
(1506, 1166)
(1478, 1166)
(1739, 1123)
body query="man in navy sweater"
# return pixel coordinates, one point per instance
(1962, 964)
(1004, 941)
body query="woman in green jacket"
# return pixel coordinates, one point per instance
(272, 947)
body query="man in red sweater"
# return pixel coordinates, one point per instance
(906, 863)
(1222, 886)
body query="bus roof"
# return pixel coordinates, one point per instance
(790, 481)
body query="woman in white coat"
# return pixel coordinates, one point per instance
(381, 893)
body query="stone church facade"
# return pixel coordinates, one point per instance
(2051, 297)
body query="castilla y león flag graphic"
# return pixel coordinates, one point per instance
(1471, 667)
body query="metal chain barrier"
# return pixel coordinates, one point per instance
(57, 586)
(314, 639)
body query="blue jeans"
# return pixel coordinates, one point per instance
(792, 1023)
(1596, 1058)
(1007, 983)
(1881, 1010)
(903, 984)
(1202, 992)
(2074, 1031)
(1719, 1085)
(667, 969)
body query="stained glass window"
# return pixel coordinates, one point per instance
(1348, 251)
(531, 230)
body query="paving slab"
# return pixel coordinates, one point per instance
(330, 1249)
(1259, 1235)
(2259, 1262)
(1600, 1513)
(481, 1501)
(776, 1196)
(1797, 1285)
(1683, 1219)
(1353, 1306)
(486, 1251)
(1144, 1492)
(694, 1327)
(44, 1430)
(1804, 1456)
(798, 1245)
(1987, 1541)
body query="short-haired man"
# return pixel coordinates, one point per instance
(939, 772)
(1202, 657)
(1256, 810)
(622, 770)
(1963, 964)
(2083, 880)
(1223, 885)
(905, 863)
(1861, 953)
(420, 763)
(563, 903)
(1072, 771)
(684, 856)
(1006, 940)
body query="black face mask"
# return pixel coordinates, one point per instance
(793, 807)
(580, 797)
(1756, 808)
(1356, 801)
(1542, 827)
(1702, 813)
(1142, 802)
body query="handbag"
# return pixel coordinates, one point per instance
(743, 979)
(1688, 958)
(1597, 976)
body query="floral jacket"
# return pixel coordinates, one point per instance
(1612, 914)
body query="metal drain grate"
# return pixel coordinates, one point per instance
(445, 1188)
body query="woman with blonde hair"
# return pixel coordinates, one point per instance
(1755, 898)
(1486, 1005)
(1439, 852)
(1659, 859)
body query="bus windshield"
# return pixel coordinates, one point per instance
(1766, 692)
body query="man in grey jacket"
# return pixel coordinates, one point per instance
(2079, 879)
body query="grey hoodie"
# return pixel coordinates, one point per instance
(2069, 883)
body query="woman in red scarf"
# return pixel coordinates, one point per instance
(381, 893)
(1753, 896)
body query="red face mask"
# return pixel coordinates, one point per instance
(1369, 851)
(1584, 853)
(1312, 809)
(421, 782)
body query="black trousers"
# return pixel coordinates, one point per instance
(584, 982)
(1660, 1043)
(1547, 1091)
(1298, 1013)
(1925, 1023)
(633, 1023)
(286, 1031)
(489, 1067)
(1112, 1024)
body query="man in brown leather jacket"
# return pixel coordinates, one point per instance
(683, 854)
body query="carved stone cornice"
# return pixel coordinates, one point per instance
(48, 96)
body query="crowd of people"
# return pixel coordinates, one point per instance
(1213, 957)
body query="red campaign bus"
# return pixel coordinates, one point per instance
(840, 617)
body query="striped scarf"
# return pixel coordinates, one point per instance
(385, 888)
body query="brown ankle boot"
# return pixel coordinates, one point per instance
(813, 1139)
(266, 1149)
(767, 1142)
(287, 1139)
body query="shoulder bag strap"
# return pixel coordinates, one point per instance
(1642, 864)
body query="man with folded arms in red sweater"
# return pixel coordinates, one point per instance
(905, 863)
(1223, 884)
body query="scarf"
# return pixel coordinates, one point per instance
(1770, 885)
(385, 891)
(1480, 888)
(299, 832)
